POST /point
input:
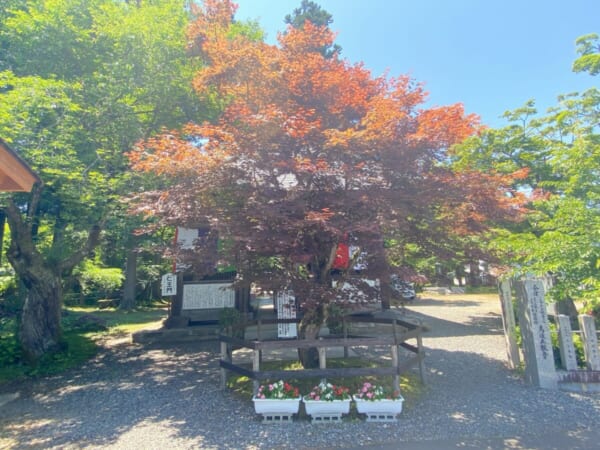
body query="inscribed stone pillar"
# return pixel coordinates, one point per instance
(535, 331)
(508, 322)
(590, 341)
(565, 341)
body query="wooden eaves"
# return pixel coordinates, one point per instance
(15, 174)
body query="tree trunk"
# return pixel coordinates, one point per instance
(474, 274)
(128, 300)
(309, 357)
(40, 331)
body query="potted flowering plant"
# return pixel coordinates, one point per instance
(374, 392)
(378, 403)
(327, 402)
(277, 402)
(278, 390)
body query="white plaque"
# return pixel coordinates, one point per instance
(168, 284)
(208, 296)
(286, 309)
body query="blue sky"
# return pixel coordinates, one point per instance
(490, 55)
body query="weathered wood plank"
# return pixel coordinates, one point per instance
(397, 337)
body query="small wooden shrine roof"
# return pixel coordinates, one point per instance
(15, 174)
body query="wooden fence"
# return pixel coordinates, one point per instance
(401, 331)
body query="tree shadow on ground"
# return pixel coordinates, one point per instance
(426, 301)
(487, 324)
(175, 390)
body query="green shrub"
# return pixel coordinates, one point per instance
(335, 319)
(10, 351)
(231, 321)
(93, 277)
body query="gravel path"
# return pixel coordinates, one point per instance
(134, 397)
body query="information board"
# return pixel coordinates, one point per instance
(208, 296)
(286, 309)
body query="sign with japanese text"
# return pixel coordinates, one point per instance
(208, 296)
(168, 284)
(286, 309)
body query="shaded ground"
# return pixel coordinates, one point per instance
(147, 397)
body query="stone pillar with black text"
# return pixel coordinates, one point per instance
(590, 341)
(565, 342)
(535, 332)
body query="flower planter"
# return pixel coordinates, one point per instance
(384, 410)
(322, 411)
(276, 410)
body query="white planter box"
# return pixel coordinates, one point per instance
(276, 411)
(380, 410)
(326, 411)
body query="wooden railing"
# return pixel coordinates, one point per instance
(401, 331)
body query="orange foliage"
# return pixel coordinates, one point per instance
(445, 125)
(296, 122)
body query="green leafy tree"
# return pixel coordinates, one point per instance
(558, 156)
(81, 81)
(316, 15)
(588, 47)
(309, 10)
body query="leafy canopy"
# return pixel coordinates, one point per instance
(309, 151)
(558, 156)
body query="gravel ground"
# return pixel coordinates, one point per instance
(141, 397)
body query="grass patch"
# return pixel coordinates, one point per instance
(119, 321)
(82, 326)
(481, 290)
(75, 349)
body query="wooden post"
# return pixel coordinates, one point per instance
(177, 300)
(395, 362)
(395, 355)
(345, 333)
(421, 353)
(258, 337)
(224, 357)
(255, 368)
(322, 358)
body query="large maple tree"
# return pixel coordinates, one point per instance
(309, 151)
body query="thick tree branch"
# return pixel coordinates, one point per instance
(75, 258)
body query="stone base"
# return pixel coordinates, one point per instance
(326, 418)
(176, 322)
(277, 418)
(177, 335)
(579, 380)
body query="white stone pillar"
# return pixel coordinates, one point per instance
(590, 341)
(535, 331)
(565, 341)
(508, 322)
